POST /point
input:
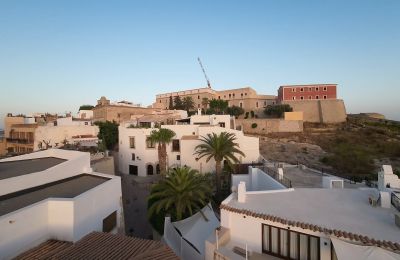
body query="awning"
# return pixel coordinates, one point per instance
(345, 250)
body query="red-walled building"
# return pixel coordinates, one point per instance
(307, 92)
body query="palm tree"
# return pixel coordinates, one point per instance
(180, 194)
(205, 102)
(220, 147)
(188, 103)
(162, 137)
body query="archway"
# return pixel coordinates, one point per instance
(150, 169)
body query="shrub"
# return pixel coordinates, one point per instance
(254, 125)
(252, 113)
(277, 110)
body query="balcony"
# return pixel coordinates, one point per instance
(19, 141)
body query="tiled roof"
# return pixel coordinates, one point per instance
(99, 246)
(45, 250)
(337, 233)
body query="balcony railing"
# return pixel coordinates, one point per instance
(19, 141)
(396, 200)
(274, 174)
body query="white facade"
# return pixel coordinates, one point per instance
(142, 157)
(85, 114)
(57, 134)
(252, 218)
(66, 219)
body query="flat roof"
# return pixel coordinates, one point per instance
(66, 188)
(9, 169)
(336, 209)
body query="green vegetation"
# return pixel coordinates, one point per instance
(235, 111)
(188, 104)
(162, 137)
(246, 115)
(86, 107)
(217, 106)
(219, 147)
(277, 110)
(252, 114)
(254, 125)
(108, 133)
(180, 195)
(178, 103)
(353, 149)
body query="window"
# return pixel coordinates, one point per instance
(317, 89)
(302, 90)
(240, 104)
(294, 98)
(265, 103)
(316, 97)
(110, 222)
(178, 157)
(289, 244)
(176, 145)
(133, 170)
(149, 143)
(241, 94)
(256, 104)
(233, 95)
(221, 124)
(245, 94)
(310, 89)
(86, 123)
(293, 90)
(325, 97)
(229, 95)
(301, 97)
(160, 101)
(198, 97)
(309, 97)
(219, 97)
(325, 89)
(133, 157)
(132, 142)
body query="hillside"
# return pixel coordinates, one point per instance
(354, 149)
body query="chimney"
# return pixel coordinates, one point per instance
(242, 192)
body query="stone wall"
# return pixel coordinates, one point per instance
(320, 111)
(266, 126)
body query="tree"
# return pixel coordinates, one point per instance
(108, 133)
(219, 147)
(218, 106)
(178, 102)
(188, 103)
(235, 111)
(86, 107)
(171, 103)
(181, 194)
(162, 137)
(205, 102)
(277, 110)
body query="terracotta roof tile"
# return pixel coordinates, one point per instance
(45, 250)
(338, 233)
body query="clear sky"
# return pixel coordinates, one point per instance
(57, 55)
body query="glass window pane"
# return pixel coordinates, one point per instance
(303, 247)
(266, 238)
(294, 238)
(284, 242)
(314, 245)
(274, 240)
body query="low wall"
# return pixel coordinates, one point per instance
(320, 111)
(266, 126)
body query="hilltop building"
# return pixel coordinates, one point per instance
(246, 98)
(125, 111)
(54, 194)
(139, 156)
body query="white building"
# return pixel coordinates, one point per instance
(85, 114)
(54, 194)
(139, 157)
(304, 223)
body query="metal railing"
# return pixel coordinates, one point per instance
(395, 200)
(273, 172)
(19, 141)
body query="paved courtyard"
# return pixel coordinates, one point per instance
(134, 193)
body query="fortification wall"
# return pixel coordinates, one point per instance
(266, 126)
(320, 111)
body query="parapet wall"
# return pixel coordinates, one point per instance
(266, 126)
(320, 111)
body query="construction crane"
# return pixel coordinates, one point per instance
(205, 75)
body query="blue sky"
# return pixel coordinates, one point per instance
(57, 55)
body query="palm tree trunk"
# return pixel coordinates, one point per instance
(218, 171)
(162, 160)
